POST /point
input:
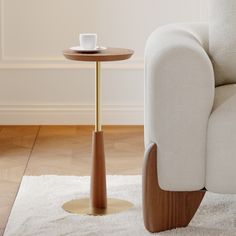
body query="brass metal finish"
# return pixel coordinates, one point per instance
(82, 207)
(97, 97)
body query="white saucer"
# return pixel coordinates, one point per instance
(80, 49)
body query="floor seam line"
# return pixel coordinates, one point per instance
(29, 156)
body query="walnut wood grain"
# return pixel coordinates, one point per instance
(110, 54)
(98, 193)
(164, 210)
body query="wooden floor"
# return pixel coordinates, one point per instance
(61, 150)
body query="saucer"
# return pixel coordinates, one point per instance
(80, 49)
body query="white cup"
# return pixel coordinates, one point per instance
(88, 41)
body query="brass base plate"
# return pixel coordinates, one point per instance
(82, 207)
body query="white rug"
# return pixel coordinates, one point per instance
(37, 210)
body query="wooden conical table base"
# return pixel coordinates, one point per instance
(98, 190)
(98, 204)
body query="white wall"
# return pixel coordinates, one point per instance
(38, 86)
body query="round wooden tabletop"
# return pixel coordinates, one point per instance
(109, 54)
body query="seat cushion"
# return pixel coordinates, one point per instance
(222, 40)
(221, 142)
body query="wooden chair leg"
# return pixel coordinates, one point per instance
(164, 210)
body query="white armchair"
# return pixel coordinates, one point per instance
(190, 116)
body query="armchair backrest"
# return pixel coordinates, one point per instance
(222, 40)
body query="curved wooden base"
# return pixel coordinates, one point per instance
(164, 210)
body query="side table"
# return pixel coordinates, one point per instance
(98, 204)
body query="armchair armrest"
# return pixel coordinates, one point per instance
(179, 95)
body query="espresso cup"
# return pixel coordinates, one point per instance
(88, 41)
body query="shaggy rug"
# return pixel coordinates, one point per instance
(37, 210)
